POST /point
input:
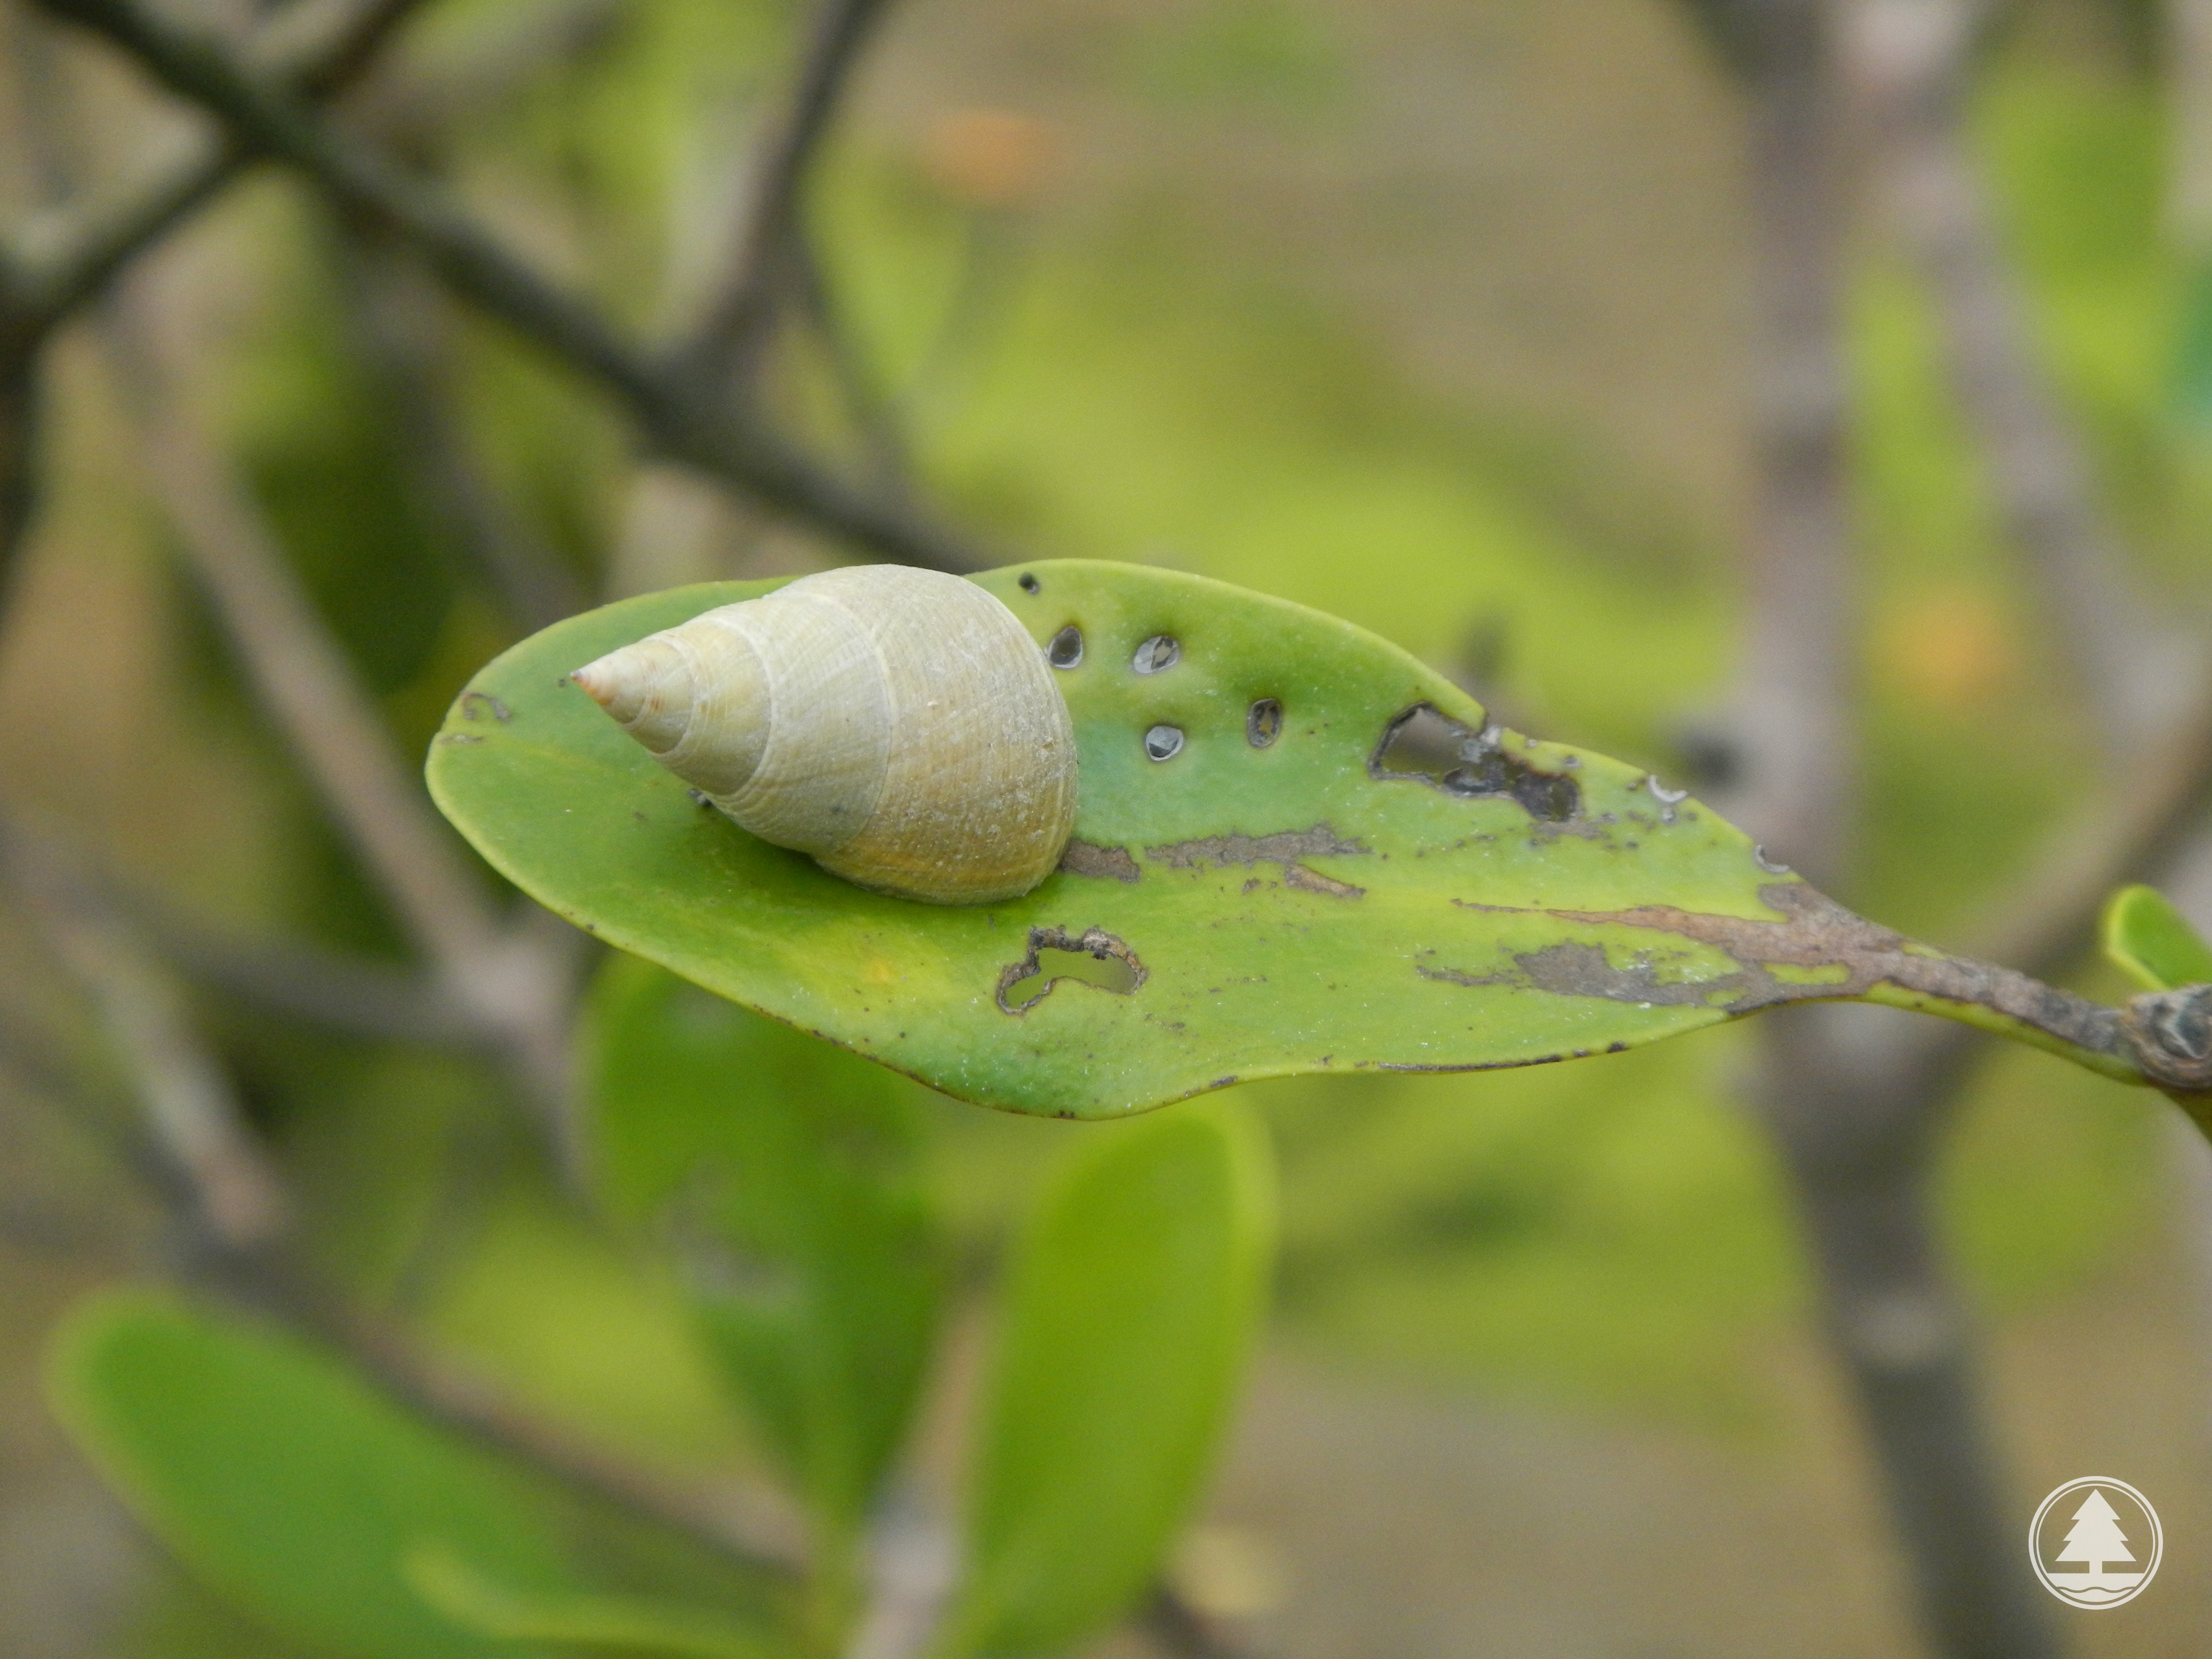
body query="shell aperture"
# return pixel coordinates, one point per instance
(898, 724)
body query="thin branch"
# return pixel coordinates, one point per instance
(719, 436)
(749, 1526)
(340, 993)
(872, 410)
(737, 320)
(1795, 762)
(512, 982)
(189, 1107)
(54, 265)
(233, 1207)
(1887, 1301)
(2135, 664)
(1180, 1632)
(298, 669)
(403, 332)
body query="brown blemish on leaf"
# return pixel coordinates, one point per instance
(1104, 863)
(476, 703)
(1815, 932)
(1094, 942)
(1285, 847)
(1312, 881)
(1426, 746)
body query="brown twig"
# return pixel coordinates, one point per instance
(231, 1205)
(1794, 762)
(1858, 1171)
(52, 267)
(736, 320)
(188, 1105)
(512, 982)
(1912, 60)
(719, 435)
(403, 333)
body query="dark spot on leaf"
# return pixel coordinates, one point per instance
(476, 703)
(1105, 863)
(1029, 583)
(1096, 958)
(1263, 723)
(1066, 650)
(1425, 746)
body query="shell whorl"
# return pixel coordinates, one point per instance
(899, 725)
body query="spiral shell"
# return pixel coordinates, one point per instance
(899, 725)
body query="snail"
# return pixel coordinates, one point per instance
(898, 724)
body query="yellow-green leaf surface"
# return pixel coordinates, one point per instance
(2153, 942)
(1128, 1314)
(1306, 903)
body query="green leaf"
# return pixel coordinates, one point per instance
(300, 1496)
(624, 1624)
(786, 1173)
(1128, 1312)
(2153, 942)
(283, 1482)
(1313, 904)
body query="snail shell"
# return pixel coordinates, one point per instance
(899, 725)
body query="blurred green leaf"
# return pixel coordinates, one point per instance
(786, 1170)
(1306, 904)
(1128, 1312)
(623, 1623)
(283, 1482)
(2153, 942)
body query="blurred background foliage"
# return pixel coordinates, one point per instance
(1428, 315)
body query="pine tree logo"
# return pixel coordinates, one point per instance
(2108, 1549)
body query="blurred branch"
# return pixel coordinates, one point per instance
(1912, 57)
(231, 1204)
(53, 265)
(1859, 1167)
(340, 993)
(198, 1130)
(515, 982)
(1794, 755)
(873, 411)
(1180, 1630)
(403, 330)
(65, 258)
(737, 320)
(719, 435)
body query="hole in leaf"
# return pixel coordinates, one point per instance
(1029, 583)
(1066, 650)
(1426, 746)
(1157, 655)
(1263, 722)
(1097, 958)
(1163, 742)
